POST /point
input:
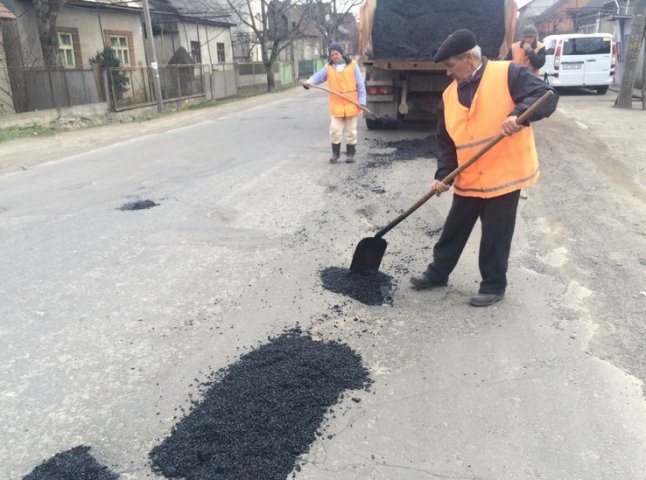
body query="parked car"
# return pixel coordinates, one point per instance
(580, 60)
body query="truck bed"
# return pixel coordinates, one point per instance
(403, 31)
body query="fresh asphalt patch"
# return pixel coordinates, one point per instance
(402, 150)
(138, 205)
(369, 287)
(73, 464)
(260, 414)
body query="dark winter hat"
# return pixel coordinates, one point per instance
(458, 42)
(530, 31)
(336, 46)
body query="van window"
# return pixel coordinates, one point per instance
(586, 46)
(550, 45)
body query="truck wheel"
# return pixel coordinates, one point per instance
(374, 124)
(602, 90)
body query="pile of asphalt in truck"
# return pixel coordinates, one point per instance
(410, 30)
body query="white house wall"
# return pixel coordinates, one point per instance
(89, 29)
(87, 21)
(167, 44)
(6, 102)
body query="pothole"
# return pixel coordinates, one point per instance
(138, 205)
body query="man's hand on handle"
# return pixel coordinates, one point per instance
(510, 126)
(439, 186)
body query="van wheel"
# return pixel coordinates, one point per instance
(602, 90)
(374, 124)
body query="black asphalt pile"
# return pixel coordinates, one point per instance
(403, 150)
(73, 464)
(138, 205)
(261, 413)
(369, 287)
(415, 29)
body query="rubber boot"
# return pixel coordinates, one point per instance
(350, 151)
(336, 152)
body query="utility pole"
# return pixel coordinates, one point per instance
(153, 57)
(633, 47)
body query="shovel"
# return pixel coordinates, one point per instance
(370, 251)
(362, 107)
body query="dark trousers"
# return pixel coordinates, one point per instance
(498, 217)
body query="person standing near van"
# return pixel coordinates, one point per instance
(484, 100)
(343, 76)
(529, 52)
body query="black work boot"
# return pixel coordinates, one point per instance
(350, 151)
(336, 152)
(424, 282)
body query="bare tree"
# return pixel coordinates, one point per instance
(333, 15)
(635, 39)
(46, 15)
(275, 26)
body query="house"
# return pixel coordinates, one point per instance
(83, 29)
(551, 17)
(348, 33)
(7, 26)
(201, 27)
(317, 25)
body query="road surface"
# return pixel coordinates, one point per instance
(112, 318)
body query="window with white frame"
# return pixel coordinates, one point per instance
(121, 49)
(66, 50)
(221, 54)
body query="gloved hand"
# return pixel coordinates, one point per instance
(306, 85)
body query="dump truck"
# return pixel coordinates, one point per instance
(399, 38)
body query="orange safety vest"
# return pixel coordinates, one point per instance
(344, 83)
(510, 165)
(519, 56)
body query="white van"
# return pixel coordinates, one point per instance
(580, 60)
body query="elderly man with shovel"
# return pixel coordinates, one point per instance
(347, 99)
(483, 102)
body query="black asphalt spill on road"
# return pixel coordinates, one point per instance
(369, 287)
(403, 150)
(138, 205)
(262, 412)
(73, 464)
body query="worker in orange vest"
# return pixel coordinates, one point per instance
(529, 52)
(343, 76)
(484, 100)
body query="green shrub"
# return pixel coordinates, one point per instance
(108, 60)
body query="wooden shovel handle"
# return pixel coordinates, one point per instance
(362, 107)
(520, 120)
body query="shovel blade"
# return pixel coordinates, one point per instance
(368, 254)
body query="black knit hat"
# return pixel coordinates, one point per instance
(458, 42)
(530, 31)
(336, 46)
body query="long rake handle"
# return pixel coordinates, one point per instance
(362, 107)
(521, 119)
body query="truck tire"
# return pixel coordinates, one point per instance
(374, 124)
(602, 90)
